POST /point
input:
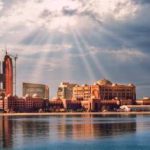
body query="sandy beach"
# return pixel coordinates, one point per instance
(75, 113)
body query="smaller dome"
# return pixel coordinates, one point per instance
(8, 95)
(116, 98)
(104, 82)
(114, 84)
(130, 84)
(84, 84)
(146, 98)
(35, 95)
(27, 95)
(76, 85)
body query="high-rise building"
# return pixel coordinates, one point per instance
(6, 76)
(32, 89)
(65, 90)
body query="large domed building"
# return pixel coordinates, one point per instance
(106, 90)
(104, 82)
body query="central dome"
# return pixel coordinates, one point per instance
(104, 82)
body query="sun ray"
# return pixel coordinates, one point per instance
(97, 62)
(36, 72)
(80, 49)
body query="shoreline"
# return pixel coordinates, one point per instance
(75, 113)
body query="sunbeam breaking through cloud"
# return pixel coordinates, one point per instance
(77, 40)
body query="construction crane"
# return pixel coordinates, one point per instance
(15, 73)
(15, 57)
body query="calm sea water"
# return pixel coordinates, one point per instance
(85, 132)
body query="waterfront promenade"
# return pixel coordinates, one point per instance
(75, 113)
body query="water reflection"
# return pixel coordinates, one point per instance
(20, 131)
(5, 132)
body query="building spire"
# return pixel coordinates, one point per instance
(6, 50)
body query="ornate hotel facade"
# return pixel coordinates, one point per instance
(105, 90)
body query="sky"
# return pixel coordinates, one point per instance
(79, 41)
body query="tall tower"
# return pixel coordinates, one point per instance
(8, 75)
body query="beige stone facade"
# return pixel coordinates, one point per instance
(65, 90)
(82, 92)
(105, 90)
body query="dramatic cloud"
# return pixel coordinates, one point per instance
(78, 40)
(1, 5)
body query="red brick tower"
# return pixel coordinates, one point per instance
(8, 75)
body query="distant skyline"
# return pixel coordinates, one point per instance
(78, 41)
